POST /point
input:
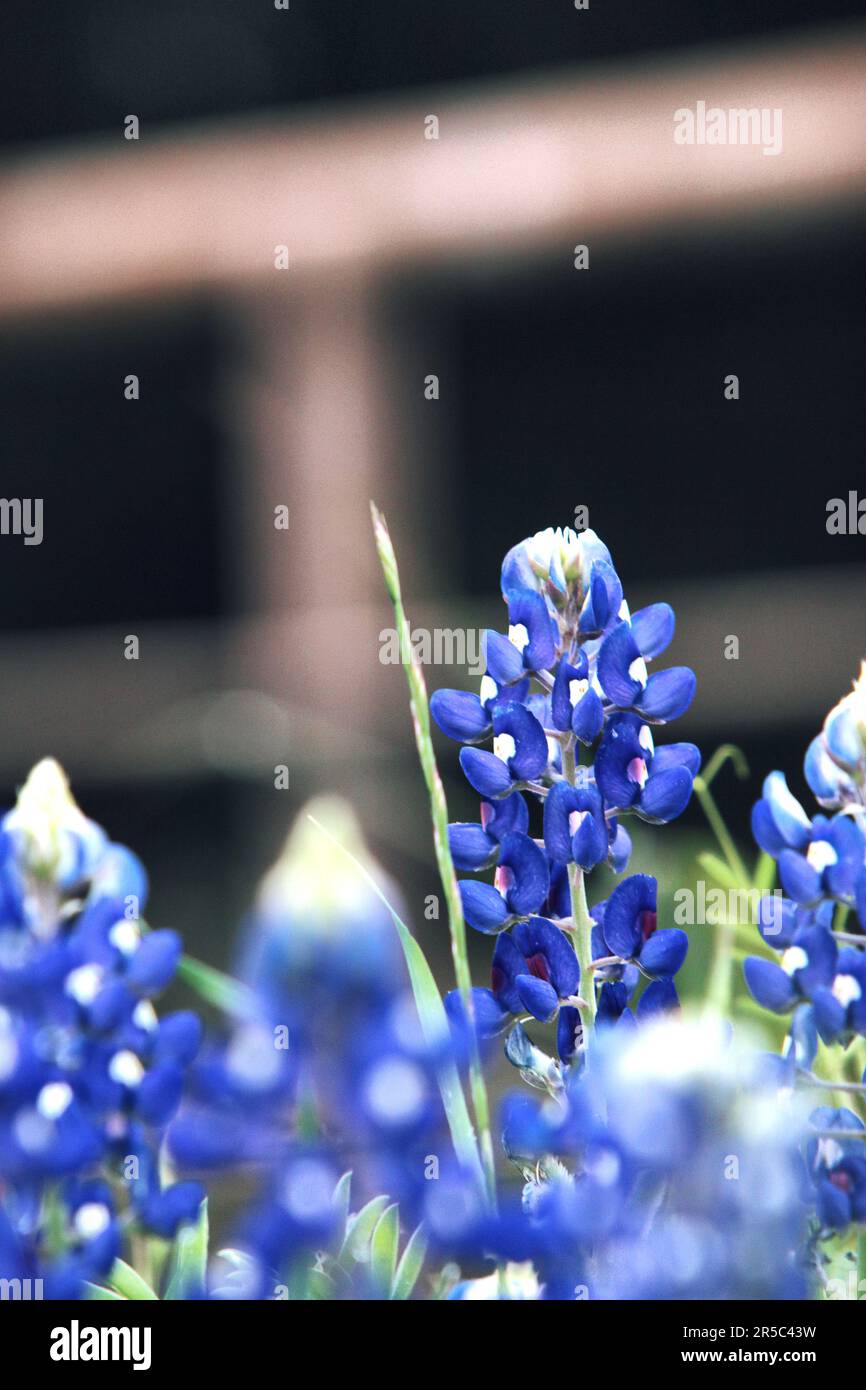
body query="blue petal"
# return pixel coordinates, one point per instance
(664, 952)
(485, 772)
(769, 985)
(178, 1038)
(531, 875)
(471, 846)
(617, 652)
(588, 718)
(622, 928)
(828, 782)
(829, 1014)
(776, 920)
(483, 908)
(460, 715)
(666, 795)
(791, 820)
(617, 749)
(158, 1094)
(612, 1002)
(659, 997)
(163, 1212)
(843, 738)
(653, 629)
(489, 1013)
(558, 805)
(508, 963)
(539, 997)
(686, 755)
(155, 962)
(504, 661)
(799, 880)
(668, 694)
(764, 829)
(822, 952)
(530, 610)
(539, 937)
(589, 843)
(846, 838)
(530, 743)
(560, 698)
(604, 599)
(568, 1028)
(509, 813)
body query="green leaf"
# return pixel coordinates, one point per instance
(411, 1263)
(765, 872)
(320, 1286)
(359, 1233)
(188, 1267)
(718, 870)
(95, 1293)
(128, 1283)
(434, 1022)
(217, 988)
(383, 1247)
(340, 1201)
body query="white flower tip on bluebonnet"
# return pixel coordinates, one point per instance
(562, 555)
(853, 705)
(53, 838)
(315, 884)
(515, 1283)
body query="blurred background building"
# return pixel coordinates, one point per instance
(307, 387)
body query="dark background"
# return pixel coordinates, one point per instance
(603, 389)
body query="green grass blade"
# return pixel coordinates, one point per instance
(189, 1257)
(217, 988)
(434, 1022)
(383, 1248)
(128, 1283)
(95, 1293)
(420, 709)
(410, 1266)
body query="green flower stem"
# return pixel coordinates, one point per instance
(722, 834)
(581, 920)
(420, 708)
(720, 988)
(726, 752)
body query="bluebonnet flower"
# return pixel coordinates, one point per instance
(570, 677)
(89, 1074)
(835, 764)
(807, 965)
(639, 1201)
(534, 969)
(325, 1068)
(520, 886)
(575, 829)
(821, 972)
(821, 858)
(837, 1168)
(633, 775)
(628, 923)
